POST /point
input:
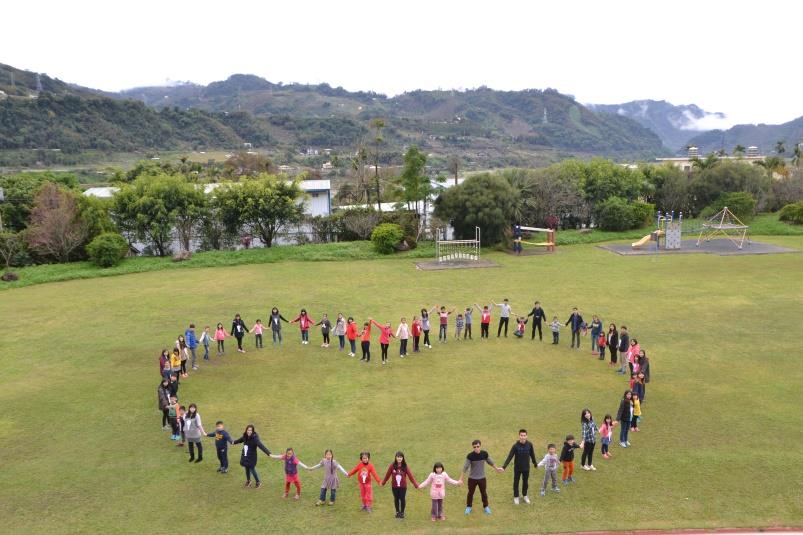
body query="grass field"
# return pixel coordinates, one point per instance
(719, 446)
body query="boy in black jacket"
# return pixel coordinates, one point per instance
(567, 459)
(222, 441)
(538, 315)
(523, 453)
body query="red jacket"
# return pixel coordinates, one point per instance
(399, 477)
(384, 332)
(351, 331)
(416, 328)
(367, 471)
(486, 316)
(304, 321)
(366, 334)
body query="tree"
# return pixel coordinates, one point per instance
(709, 162)
(358, 166)
(772, 164)
(20, 190)
(262, 205)
(486, 201)
(11, 244)
(453, 165)
(377, 124)
(56, 228)
(796, 156)
(739, 151)
(779, 147)
(246, 164)
(603, 178)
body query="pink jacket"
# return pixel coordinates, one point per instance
(632, 353)
(384, 332)
(438, 489)
(220, 334)
(304, 321)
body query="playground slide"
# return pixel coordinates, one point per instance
(641, 242)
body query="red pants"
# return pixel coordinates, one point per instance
(568, 470)
(296, 482)
(367, 494)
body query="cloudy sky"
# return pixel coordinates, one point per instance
(735, 57)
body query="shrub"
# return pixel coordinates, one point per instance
(642, 213)
(411, 242)
(9, 276)
(741, 203)
(181, 256)
(386, 236)
(792, 213)
(107, 249)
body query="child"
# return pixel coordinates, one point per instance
(550, 464)
(385, 334)
(366, 472)
(632, 355)
(521, 323)
(205, 340)
(643, 377)
(238, 331)
(624, 415)
(403, 334)
(257, 329)
(330, 480)
(555, 328)
(485, 320)
(351, 334)
(365, 342)
(416, 331)
(220, 337)
(291, 464)
(163, 401)
(602, 341)
(567, 459)
(437, 491)
(589, 430)
(606, 434)
(425, 327)
(276, 320)
(172, 418)
(475, 466)
(175, 364)
(469, 318)
(326, 326)
(182, 411)
(304, 322)
(444, 323)
(399, 472)
(192, 343)
(340, 331)
(458, 326)
(222, 441)
(636, 413)
(181, 345)
(193, 431)
(164, 364)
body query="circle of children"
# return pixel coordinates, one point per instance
(625, 353)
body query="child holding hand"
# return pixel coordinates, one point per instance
(437, 490)
(291, 464)
(366, 471)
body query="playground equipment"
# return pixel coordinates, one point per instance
(457, 250)
(549, 243)
(722, 223)
(667, 227)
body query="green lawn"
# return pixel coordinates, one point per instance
(719, 446)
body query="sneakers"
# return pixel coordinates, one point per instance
(487, 510)
(556, 488)
(628, 443)
(622, 444)
(369, 509)
(258, 485)
(165, 427)
(284, 495)
(248, 483)
(468, 510)
(351, 354)
(565, 481)
(331, 503)
(224, 470)
(199, 459)
(526, 500)
(194, 368)
(591, 467)
(572, 480)
(543, 492)
(516, 501)
(586, 468)
(297, 497)
(319, 502)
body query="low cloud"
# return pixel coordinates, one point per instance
(708, 121)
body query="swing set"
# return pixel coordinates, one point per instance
(549, 244)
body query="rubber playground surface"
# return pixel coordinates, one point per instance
(719, 246)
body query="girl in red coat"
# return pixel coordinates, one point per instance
(385, 334)
(305, 322)
(365, 341)
(351, 334)
(416, 332)
(365, 471)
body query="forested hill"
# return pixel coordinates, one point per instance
(763, 136)
(489, 127)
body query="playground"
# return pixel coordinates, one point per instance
(89, 385)
(719, 246)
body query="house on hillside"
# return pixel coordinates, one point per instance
(686, 163)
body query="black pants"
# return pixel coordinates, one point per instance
(200, 450)
(576, 337)
(442, 333)
(484, 330)
(239, 342)
(588, 453)
(416, 340)
(467, 332)
(555, 337)
(366, 350)
(502, 321)
(220, 347)
(613, 351)
(403, 346)
(537, 325)
(472, 487)
(399, 499)
(223, 457)
(326, 338)
(165, 411)
(426, 339)
(384, 348)
(258, 340)
(183, 366)
(525, 482)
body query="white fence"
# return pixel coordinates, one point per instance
(457, 250)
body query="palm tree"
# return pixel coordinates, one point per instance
(796, 156)
(779, 147)
(772, 164)
(710, 161)
(377, 124)
(739, 151)
(721, 153)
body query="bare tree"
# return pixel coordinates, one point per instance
(56, 229)
(453, 165)
(10, 245)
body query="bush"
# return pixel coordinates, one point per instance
(792, 213)
(616, 213)
(386, 236)
(741, 203)
(107, 249)
(642, 213)
(181, 256)
(9, 276)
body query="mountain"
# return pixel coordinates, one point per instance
(488, 128)
(763, 136)
(673, 124)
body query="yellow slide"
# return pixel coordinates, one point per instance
(645, 239)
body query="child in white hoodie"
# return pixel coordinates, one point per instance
(437, 491)
(403, 334)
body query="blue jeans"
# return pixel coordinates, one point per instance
(305, 336)
(332, 494)
(594, 341)
(277, 337)
(249, 470)
(624, 429)
(353, 344)
(192, 352)
(223, 457)
(342, 338)
(206, 351)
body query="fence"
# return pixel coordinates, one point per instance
(457, 250)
